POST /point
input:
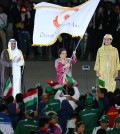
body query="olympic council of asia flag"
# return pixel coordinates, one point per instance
(52, 20)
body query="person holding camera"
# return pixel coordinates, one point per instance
(63, 65)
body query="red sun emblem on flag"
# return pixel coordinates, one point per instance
(64, 16)
(55, 22)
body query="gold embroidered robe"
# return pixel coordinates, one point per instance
(107, 63)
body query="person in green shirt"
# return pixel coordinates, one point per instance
(53, 104)
(28, 124)
(89, 115)
(116, 129)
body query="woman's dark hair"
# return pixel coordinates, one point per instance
(60, 51)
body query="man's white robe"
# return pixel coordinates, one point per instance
(16, 69)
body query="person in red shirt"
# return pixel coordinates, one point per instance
(112, 111)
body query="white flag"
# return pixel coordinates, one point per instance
(51, 20)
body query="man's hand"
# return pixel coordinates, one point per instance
(98, 74)
(115, 74)
(18, 60)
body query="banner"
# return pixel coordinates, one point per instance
(52, 20)
(30, 98)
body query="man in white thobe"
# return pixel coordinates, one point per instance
(12, 62)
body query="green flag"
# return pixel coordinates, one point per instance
(70, 80)
(100, 82)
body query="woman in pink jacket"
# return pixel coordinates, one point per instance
(63, 65)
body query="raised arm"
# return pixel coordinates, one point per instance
(74, 59)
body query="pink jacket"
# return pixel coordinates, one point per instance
(61, 72)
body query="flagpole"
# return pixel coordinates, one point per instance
(37, 104)
(77, 46)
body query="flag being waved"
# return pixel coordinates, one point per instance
(51, 20)
(30, 98)
(8, 88)
(55, 85)
(70, 82)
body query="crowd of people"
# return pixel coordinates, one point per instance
(50, 115)
(19, 17)
(60, 108)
